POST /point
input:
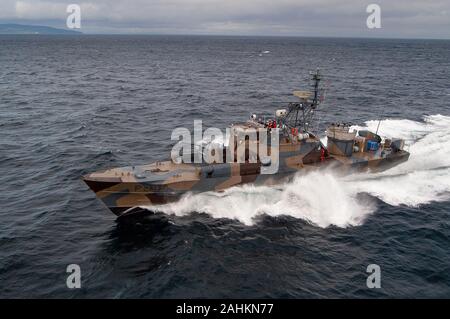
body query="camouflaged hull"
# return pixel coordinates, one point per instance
(124, 189)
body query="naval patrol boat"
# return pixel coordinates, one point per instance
(298, 150)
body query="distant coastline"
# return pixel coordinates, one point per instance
(33, 29)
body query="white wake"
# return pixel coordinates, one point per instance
(324, 199)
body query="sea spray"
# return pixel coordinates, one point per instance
(320, 198)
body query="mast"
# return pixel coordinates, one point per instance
(316, 77)
(300, 114)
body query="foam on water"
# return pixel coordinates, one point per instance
(325, 199)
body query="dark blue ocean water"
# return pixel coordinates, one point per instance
(75, 104)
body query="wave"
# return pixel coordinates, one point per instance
(325, 199)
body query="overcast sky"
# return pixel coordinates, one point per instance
(345, 18)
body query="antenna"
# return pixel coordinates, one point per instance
(316, 77)
(300, 114)
(379, 122)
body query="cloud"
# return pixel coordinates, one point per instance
(38, 10)
(411, 18)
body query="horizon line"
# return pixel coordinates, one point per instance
(81, 33)
(231, 35)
